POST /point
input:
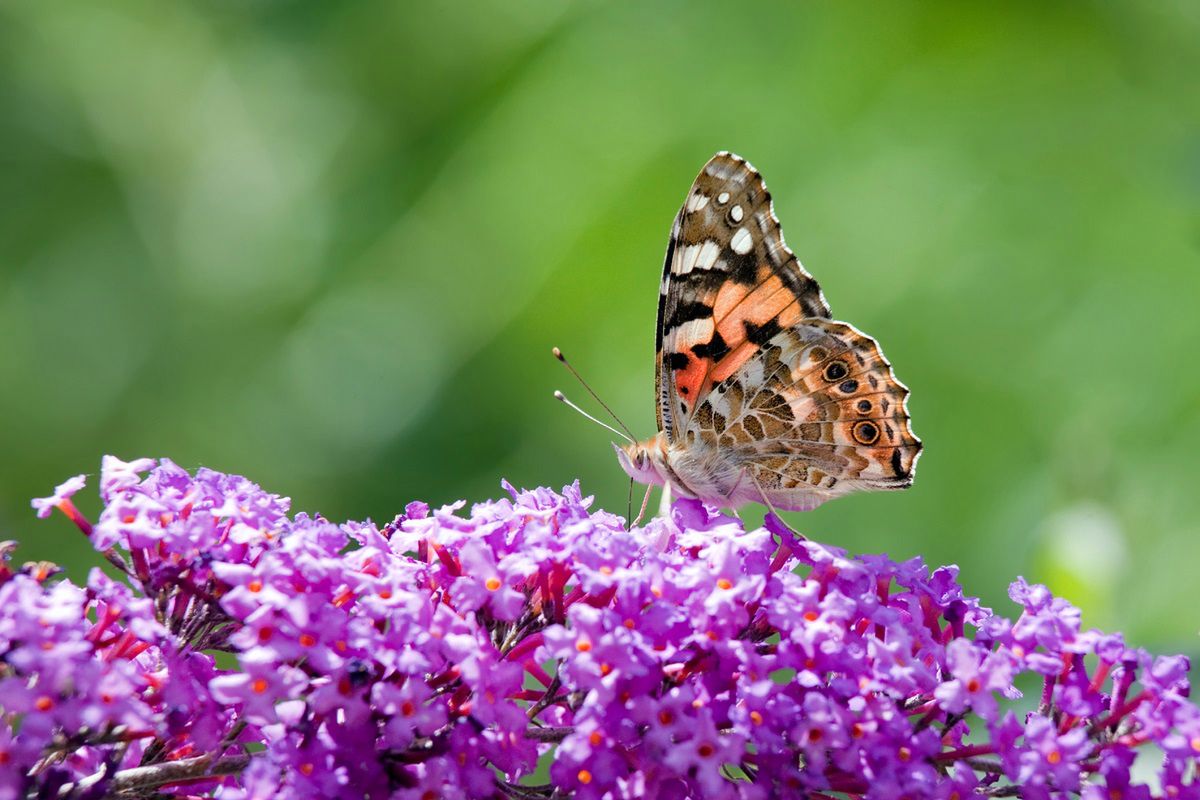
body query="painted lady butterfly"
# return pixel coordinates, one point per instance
(762, 397)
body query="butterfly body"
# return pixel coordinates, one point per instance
(701, 471)
(762, 397)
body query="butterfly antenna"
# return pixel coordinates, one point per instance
(563, 399)
(628, 433)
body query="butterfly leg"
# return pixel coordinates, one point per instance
(771, 508)
(642, 510)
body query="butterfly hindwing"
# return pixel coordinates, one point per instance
(729, 285)
(816, 414)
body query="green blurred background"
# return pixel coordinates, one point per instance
(329, 246)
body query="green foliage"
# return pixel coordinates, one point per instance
(329, 246)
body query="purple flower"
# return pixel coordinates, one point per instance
(117, 475)
(256, 690)
(465, 652)
(62, 493)
(1049, 758)
(977, 676)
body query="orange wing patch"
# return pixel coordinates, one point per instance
(751, 321)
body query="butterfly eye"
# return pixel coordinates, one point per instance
(866, 432)
(836, 371)
(640, 460)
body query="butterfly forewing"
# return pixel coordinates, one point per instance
(729, 284)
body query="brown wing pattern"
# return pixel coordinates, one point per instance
(730, 284)
(818, 414)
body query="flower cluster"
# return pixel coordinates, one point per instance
(533, 648)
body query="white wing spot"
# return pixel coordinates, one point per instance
(722, 198)
(697, 256)
(708, 255)
(742, 241)
(735, 213)
(696, 330)
(697, 201)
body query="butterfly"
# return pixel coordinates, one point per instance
(762, 396)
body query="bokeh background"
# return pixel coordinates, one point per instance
(329, 246)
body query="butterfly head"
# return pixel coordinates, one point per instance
(643, 461)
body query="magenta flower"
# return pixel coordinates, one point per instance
(62, 493)
(977, 676)
(532, 647)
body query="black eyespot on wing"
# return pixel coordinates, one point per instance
(836, 371)
(866, 433)
(864, 406)
(848, 387)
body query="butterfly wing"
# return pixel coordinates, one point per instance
(729, 285)
(815, 414)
